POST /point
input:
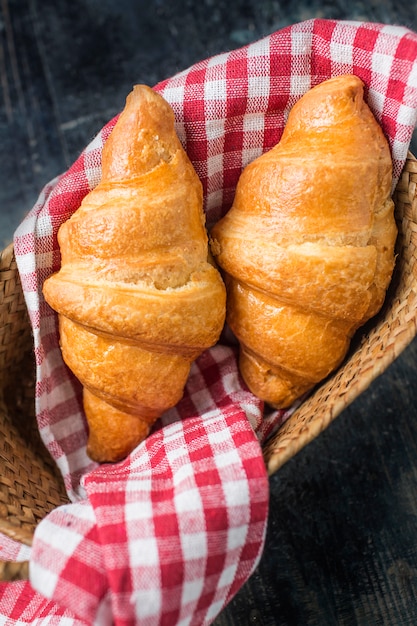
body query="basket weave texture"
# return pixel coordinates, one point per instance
(30, 484)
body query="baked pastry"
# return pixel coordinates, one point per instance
(308, 245)
(137, 298)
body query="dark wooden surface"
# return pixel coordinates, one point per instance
(341, 547)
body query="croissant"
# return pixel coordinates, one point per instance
(137, 298)
(307, 248)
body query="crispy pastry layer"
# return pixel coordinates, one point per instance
(137, 299)
(308, 245)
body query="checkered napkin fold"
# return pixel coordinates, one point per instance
(169, 535)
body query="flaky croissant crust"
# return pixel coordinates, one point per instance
(308, 245)
(137, 299)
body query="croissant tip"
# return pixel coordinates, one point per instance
(344, 85)
(142, 92)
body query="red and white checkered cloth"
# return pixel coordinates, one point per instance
(169, 535)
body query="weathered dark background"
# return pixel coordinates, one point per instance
(342, 541)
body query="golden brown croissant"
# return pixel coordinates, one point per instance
(137, 299)
(308, 245)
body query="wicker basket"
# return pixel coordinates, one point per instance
(30, 485)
